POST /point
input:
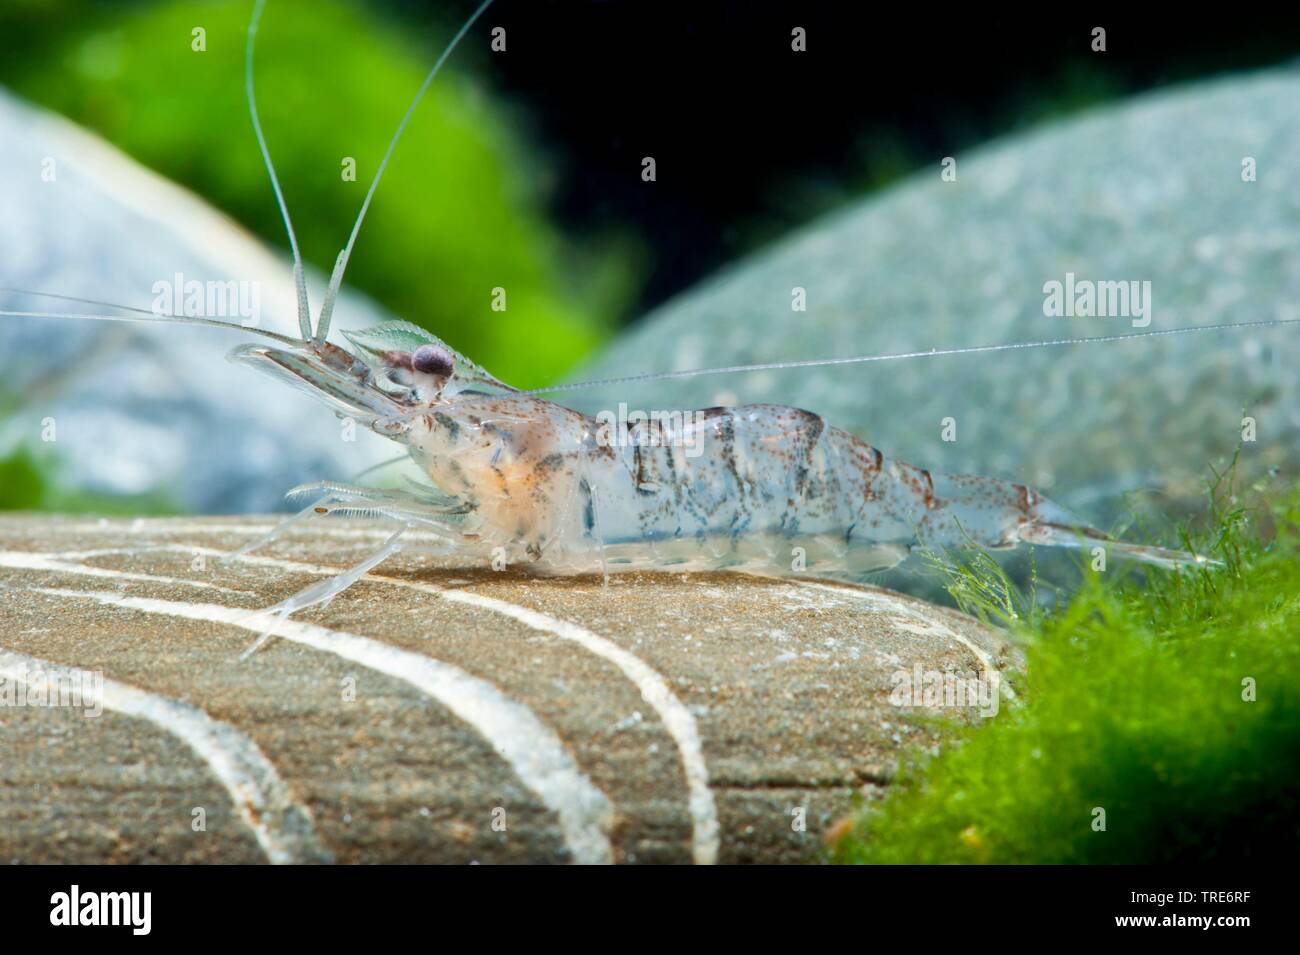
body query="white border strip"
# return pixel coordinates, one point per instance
(282, 826)
(18, 560)
(677, 718)
(170, 526)
(927, 625)
(532, 749)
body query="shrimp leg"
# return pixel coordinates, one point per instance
(400, 505)
(351, 499)
(325, 590)
(278, 531)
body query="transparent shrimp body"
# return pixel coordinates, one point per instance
(760, 487)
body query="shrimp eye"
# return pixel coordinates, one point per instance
(432, 360)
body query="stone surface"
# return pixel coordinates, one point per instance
(1150, 190)
(663, 718)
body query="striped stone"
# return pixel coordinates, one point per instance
(435, 713)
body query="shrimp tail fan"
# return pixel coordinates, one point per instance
(1080, 535)
(998, 514)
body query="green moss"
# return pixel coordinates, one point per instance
(461, 208)
(1136, 702)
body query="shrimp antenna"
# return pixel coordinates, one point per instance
(932, 353)
(299, 278)
(77, 298)
(145, 317)
(141, 315)
(336, 279)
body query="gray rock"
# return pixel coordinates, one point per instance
(140, 410)
(1147, 190)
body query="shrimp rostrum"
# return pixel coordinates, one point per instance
(514, 478)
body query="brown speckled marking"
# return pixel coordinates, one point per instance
(810, 434)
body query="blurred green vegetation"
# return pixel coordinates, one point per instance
(461, 207)
(26, 484)
(1134, 701)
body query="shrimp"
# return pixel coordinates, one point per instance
(514, 477)
(539, 484)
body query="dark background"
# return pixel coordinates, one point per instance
(751, 138)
